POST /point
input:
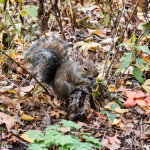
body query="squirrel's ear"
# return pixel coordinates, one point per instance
(80, 59)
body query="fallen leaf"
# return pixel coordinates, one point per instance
(142, 104)
(117, 109)
(139, 94)
(26, 137)
(26, 117)
(99, 33)
(130, 102)
(147, 112)
(112, 88)
(113, 139)
(130, 94)
(4, 136)
(146, 85)
(91, 113)
(8, 120)
(27, 88)
(57, 113)
(37, 90)
(14, 139)
(128, 83)
(99, 115)
(113, 146)
(115, 122)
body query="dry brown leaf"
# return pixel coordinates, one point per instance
(57, 113)
(8, 120)
(113, 146)
(27, 88)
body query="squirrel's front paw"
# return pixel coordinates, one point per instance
(88, 81)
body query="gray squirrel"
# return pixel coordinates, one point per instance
(48, 59)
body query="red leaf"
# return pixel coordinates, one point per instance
(139, 94)
(147, 112)
(130, 94)
(130, 102)
(113, 139)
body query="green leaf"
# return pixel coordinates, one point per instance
(77, 146)
(119, 103)
(104, 112)
(112, 117)
(49, 128)
(126, 63)
(145, 26)
(65, 1)
(144, 49)
(123, 65)
(92, 140)
(122, 59)
(35, 134)
(70, 124)
(37, 146)
(51, 137)
(80, 133)
(106, 21)
(66, 139)
(124, 44)
(31, 11)
(134, 37)
(113, 106)
(138, 74)
(141, 62)
(2, 1)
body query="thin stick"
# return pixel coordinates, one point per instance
(129, 20)
(55, 8)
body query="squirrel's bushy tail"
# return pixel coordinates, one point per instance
(45, 57)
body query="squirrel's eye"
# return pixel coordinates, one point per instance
(85, 68)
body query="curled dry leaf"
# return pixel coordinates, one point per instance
(146, 85)
(26, 117)
(27, 88)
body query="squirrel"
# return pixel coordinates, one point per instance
(48, 59)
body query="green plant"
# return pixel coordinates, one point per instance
(56, 138)
(132, 59)
(109, 113)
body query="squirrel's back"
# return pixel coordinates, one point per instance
(45, 56)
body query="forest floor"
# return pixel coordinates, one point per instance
(118, 110)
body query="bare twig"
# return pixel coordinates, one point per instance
(113, 46)
(129, 20)
(58, 18)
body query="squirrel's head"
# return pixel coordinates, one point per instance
(88, 69)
